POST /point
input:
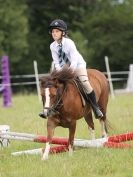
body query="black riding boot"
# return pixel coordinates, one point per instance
(92, 100)
(41, 114)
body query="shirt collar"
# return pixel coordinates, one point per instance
(63, 40)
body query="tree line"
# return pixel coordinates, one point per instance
(99, 28)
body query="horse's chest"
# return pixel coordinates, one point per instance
(65, 122)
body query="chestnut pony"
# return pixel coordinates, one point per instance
(63, 104)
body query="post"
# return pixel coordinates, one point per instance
(129, 87)
(109, 77)
(6, 82)
(37, 81)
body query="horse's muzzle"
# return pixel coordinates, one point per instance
(42, 115)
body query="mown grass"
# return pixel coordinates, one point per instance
(103, 162)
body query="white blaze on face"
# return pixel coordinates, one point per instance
(47, 101)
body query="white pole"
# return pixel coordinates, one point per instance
(90, 143)
(27, 135)
(10, 137)
(37, 81)
(33, 151)
(97, 143)
(109, 77)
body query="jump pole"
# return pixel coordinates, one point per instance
(53, 150)
(28, 135)
(31, 137)
(117, 145)
(102, 142)
(84, 143)
(63, 148)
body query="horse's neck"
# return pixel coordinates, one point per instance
(81, 91)
(73, 92)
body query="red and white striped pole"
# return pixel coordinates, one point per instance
(112, 141)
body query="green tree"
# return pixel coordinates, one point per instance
(13, 32)
(98, 27)
(110, 33)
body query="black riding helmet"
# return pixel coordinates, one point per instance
(58, 24)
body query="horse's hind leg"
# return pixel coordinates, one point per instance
(103, 106)
(103, 128)
(89, 120)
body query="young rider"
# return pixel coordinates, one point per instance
(64, 52)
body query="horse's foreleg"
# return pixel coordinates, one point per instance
(46, 151)
(50, 132)
(72, 129)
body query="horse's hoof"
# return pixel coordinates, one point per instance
(44, 158)
(70, 152)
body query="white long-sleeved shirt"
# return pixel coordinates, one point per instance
(71, 52)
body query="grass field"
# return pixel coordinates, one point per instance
(104, 162)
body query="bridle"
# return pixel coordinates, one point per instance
(57, 104)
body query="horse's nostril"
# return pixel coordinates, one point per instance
(42, 115)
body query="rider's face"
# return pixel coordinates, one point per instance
(56, 34)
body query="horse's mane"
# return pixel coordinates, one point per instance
(66, 76)
(63, 75)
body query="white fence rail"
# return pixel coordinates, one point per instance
(25, 78)
(32, 76)
(119, 79)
